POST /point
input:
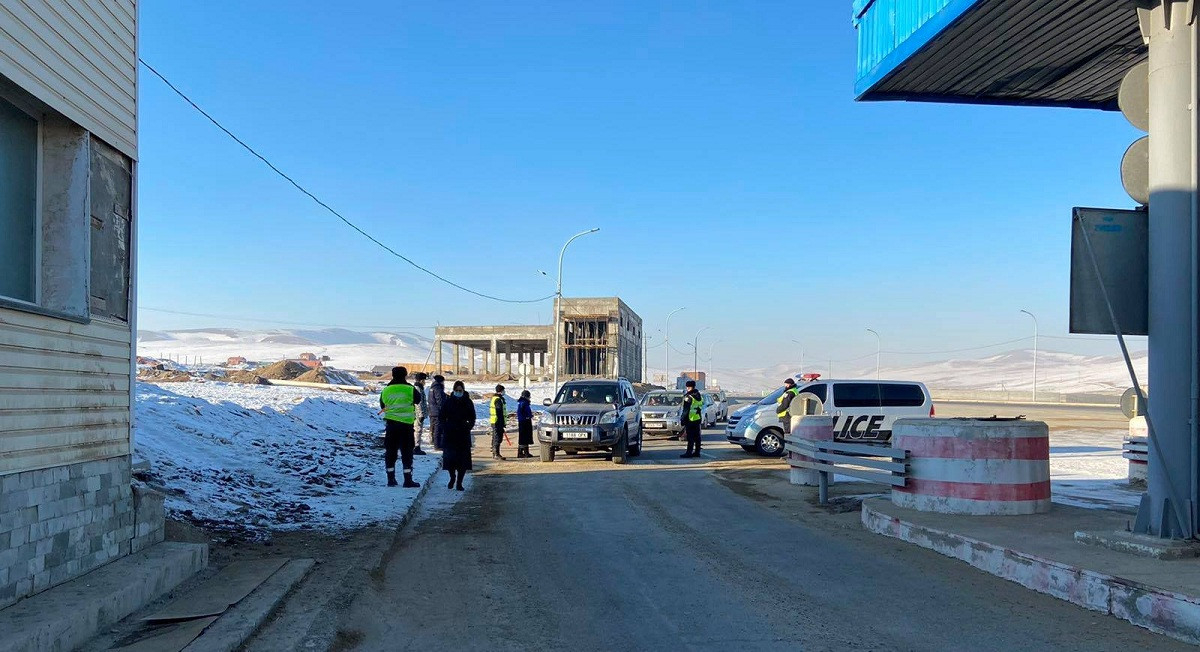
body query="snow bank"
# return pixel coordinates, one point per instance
(259, 457)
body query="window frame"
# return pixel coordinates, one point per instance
(38, 219)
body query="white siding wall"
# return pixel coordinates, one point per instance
(79, 57)
(64, 390)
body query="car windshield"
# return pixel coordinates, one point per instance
(772, 397)
(664, 400)
(588, 393)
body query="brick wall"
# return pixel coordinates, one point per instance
(59, 523)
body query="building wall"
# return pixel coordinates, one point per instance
(79, 57)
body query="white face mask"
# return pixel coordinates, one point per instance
(458, 393)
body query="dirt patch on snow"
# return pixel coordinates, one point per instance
(163, 376)
(282, 370)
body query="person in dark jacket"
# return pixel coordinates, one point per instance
(692, 415)
(422, 412)
(436, 397)
(497, 413)
(458, 418)
(524, 425)
(784, 403)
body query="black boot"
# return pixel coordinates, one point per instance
(458, 485)
(408, 481)
(418, 451)
(392, 479)
(451, 483)
(496, 454)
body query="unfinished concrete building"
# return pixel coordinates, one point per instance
(598, 338)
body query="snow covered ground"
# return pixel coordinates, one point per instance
(1087, 470)
(259, 457)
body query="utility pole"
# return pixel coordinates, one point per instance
(801, 345)
(1035, 347)
(667, 346)
(696, 353)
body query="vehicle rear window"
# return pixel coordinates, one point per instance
(817, 390)
(877, 395)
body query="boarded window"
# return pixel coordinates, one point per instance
(112, 209)
(18, 204)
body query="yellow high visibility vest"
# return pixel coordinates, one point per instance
(780, 412)
(398, 403)
(492, 405)
(695, 410)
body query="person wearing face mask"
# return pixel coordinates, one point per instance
(458, 418)
(496, 417)
(422, 413)
(436, 398)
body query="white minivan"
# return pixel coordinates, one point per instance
(862, 411)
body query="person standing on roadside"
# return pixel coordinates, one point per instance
(784, 403)
(398, 404)
(496, 416)
(422, 412)
(436, 398)
(524, 425)
(692, 413)
(458, 419)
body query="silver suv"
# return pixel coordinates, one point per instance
(592, 415)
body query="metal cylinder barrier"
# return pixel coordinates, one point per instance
(814, 428)
(974, 466)
(1136, 450)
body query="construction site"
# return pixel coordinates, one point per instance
(598, 337)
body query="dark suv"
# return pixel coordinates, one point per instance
(592, 415)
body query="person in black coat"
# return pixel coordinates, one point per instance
(458, 418)
(524, 425)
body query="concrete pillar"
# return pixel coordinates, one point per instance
(471, 355)
(1173, 75)
(456, 360)
(438, 344)
(508, 356)
(494, 358)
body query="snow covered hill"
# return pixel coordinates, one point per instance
(346, 349)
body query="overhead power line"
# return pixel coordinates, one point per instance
(324, 205)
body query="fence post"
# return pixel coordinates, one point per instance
(823, 488)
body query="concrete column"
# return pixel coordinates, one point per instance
(494, 358)
(438, 344)
(1173, 75)
(508, 356)
(456, 360)
(471, 355)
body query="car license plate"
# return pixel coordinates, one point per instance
(575, 434)
(655, 424)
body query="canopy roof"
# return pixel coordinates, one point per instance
(1070, 53)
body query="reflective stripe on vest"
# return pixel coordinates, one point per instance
(398, 403)
(781, 413)
(694, 410)
(492, 416)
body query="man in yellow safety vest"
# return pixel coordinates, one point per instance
(398, 404)
(784, 403)
(692, 415)
(496, 416)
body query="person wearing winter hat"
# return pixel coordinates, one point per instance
(496, 416)
(524, 425)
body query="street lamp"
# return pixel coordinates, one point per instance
(667, 345)
(710, 354)
(801, 345)
(878, 349)
(1035, 343)
(696, 352)
(558, 305)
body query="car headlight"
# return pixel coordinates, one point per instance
(609, 417)
(675, 414)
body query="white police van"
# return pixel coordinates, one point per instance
(862, 410)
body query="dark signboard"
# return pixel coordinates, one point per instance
(1120, 241)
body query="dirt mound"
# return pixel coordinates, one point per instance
(239, 376)
(328, 376)
(163, 376)
(282, 370)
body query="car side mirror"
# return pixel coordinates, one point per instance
(630, 402)
(547, 402)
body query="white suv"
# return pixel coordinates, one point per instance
(862, 411)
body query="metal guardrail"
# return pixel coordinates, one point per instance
(1136, 449)
(874, 463)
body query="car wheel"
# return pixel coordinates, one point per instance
(620, 452)
(770, 442)
(547, 453)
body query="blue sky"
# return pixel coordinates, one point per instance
(717, 145)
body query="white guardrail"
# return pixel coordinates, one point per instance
(872, 462)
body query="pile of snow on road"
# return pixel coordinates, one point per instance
(257, 457)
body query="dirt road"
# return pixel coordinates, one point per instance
(669, 554)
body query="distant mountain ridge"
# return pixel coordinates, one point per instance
(347, 349)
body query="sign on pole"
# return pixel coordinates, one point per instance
(1120, 240)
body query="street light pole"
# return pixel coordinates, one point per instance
(667, 346)
(696, 353)
(558, 306)
(710, 354)
(798, 342)
(878, 349)
(1035, 344)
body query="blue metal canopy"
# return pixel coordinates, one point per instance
(1070, 53)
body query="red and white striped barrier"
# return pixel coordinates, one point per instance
(974, 466)
(813, 428)
(1135, 449)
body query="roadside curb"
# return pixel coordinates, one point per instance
(1153, 608)
(244, 619)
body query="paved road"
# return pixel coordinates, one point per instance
(667, 554)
